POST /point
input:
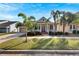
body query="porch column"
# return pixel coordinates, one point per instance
(47, 28)
(40, 27)
(7, 30)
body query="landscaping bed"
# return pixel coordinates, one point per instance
(41, 44)
(36, 33)
(58, 33)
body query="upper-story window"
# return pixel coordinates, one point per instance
(51, 27)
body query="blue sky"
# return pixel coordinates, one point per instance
(9, 11)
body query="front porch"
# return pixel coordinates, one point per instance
(45, 28)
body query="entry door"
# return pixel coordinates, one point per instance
(43, 28)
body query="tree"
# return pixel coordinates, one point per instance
(27, 22)
(17, 25)
(67, 18)
(56, 15)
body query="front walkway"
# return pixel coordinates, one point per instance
(61, 37)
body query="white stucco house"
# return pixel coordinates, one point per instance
(7, 26)
(45, 26)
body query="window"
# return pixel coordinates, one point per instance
(73, 26)
(37, 27)
(70, 27)
(51, 27)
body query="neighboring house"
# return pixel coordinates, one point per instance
(45, 26)
(7, 26)
(3, 21)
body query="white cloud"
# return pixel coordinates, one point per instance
(7, 7)
(8, 17)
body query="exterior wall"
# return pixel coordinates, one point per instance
(41, 25)
(77, 27)
(13, 28)
(67, 28)
(22, 29)
(47, 27)
(60, 28)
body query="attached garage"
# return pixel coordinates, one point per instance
(7, 27)
(2, 30)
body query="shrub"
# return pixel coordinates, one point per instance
(66, 33)
(30, 34)
(74, 31)
(77, 32)
(37, 33)
(33, 33)
(51, 33)
(58, 33)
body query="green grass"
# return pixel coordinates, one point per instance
(50, 44)
(11, 43)
(2, 34)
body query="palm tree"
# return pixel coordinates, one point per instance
(17, 25)
(56, 15)
(28, 23)
(67, 18)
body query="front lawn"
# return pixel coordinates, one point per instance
(2, 34)
(44, 44)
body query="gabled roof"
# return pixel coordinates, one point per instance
(3, 25)
(42, 19)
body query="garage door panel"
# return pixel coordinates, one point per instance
(3, 30)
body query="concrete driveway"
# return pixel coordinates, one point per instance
(4, 38)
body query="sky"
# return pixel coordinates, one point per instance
(9, 11)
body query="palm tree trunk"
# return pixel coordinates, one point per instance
(26, 36)
(63, 29)
(55, 27)
(17, 29)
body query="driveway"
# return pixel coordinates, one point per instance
(4, 38)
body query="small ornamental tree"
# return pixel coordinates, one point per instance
(27, 22)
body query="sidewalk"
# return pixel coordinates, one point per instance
(40, 52)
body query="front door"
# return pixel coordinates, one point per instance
(43, 28)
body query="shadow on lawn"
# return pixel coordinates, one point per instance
(10, 48)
